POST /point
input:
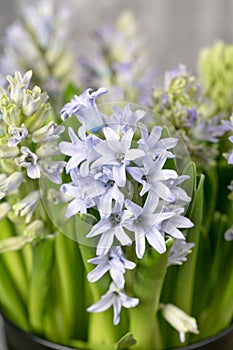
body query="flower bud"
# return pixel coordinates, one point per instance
(17, 86)
(178, 319)
(27, 206)
(10, 114)
(32, 100)
(10, 184)
(4, 210)
(44, 134)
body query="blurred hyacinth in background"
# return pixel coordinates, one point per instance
(41, 40)
(113, 214)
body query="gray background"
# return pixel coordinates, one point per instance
(175, 29)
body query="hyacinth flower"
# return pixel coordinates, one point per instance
(41, 40)
(119, 62)
(182, 101)
(137, 205)
(190, 103)
(215, 70)
(26, 230)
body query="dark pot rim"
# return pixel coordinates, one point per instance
(217, 340)
(11, 327)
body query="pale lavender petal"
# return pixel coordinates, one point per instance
(117, 278)
(33, 171)
(122, 237)
(103, 304)
(119, 175)
(105, 242)
(97, 273)
(156, 240)
(133, 154)
(140, 243)
(127, 139)
(101, 226)
(116, 311)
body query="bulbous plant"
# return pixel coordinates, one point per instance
(112, 216)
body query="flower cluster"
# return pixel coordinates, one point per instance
(25, 129)
(118, 174)
(119, 62)
(41, 41)
(183, 102)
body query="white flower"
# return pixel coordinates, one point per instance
(17, 85)
(52, 170)
(10, 184)
(146, 225)
(27, 206)
(116, 152)
(179, 251)
(17, 135)
(28, 160)
(180, 320)
(116, 298)
(47, 132)
(114, 262)
(111, 227)
(4, 210)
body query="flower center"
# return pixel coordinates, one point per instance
(116, 219)
(121, 157)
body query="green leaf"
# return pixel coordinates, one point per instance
(43, 260)
(126, 341)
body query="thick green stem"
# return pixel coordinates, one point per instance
(148, 282)
(43, 259)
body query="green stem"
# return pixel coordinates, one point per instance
(70, 270)
(14, 262)
(43, 259)
(148, 282)
(11, 304)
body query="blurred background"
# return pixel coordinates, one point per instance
(175, 30)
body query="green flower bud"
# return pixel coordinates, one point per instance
(11, 115)
(32, 100)
(17, 86)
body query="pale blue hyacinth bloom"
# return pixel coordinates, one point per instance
(153, 177)
(146, 225)
(179, 251)
(175, 222)
(116, 152)
(124, 119)
(109, 193)
(111, 227)
(85, 109)
(28, 160)
(152, 144)
(112, 261)
(80, 149)
(114, 297)
(180, 195)
(79, 203)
